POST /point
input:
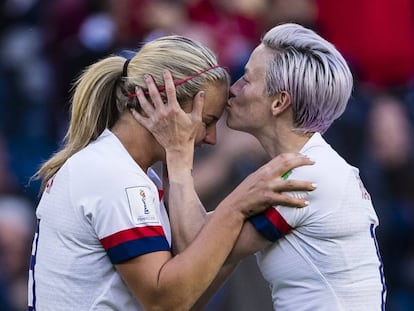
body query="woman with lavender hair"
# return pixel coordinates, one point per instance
(324, 256)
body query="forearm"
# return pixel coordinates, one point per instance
(163, 282)
(219, 280)
(192, 271)
(186, 212)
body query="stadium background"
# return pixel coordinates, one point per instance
(45, 43)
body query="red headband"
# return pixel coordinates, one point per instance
(179, 82)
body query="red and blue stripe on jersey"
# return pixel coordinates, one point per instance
(270, 224)
(133, 242)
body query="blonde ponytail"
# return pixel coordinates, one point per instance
(104, 91)
(94, 108)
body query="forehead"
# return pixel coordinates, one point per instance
(216, 96)
(258, 59)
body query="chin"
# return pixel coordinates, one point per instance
(230, 124)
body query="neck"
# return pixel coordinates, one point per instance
(139, 143)
(283, 140)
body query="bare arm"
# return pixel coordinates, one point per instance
(163, 282)
(187, 215)
(249, 241)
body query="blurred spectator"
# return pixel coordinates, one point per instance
(235, 27)
(346, 135)
(8, 181)
(17, 224)
(303, 12)
(71, 46)
(389, 168)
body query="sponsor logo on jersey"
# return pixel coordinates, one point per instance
(144, 199)
(142, 205)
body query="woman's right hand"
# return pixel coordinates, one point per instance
(266, 187)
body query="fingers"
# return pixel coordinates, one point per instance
(290, 200)
(198, 105)
(281, 190)
(295, 185)
(157, 102)
(139, 118)
(146, 106)
(153, 92)
(170, 89)
(286, 162)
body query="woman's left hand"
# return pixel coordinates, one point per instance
(173, 128)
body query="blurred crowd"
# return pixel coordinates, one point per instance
(45, 44)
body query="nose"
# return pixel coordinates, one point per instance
(234, 89)
(211, 136)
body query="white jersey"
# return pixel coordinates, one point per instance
(100, 209)
(324, 256)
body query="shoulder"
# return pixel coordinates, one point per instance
(105, 169)
(329, 165)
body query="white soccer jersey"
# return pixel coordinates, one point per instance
(100, 209)
(324, 256)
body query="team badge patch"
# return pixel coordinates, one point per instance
(142, 205)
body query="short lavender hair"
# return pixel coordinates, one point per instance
(312, 71)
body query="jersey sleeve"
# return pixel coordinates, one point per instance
(270, 224)
(134, 228)
(278, 221)
(126, 220)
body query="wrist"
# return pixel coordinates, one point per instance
(243, 206)
(179, 166)
(237, 212)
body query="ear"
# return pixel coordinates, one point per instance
(280, 103)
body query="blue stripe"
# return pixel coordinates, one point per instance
(134, 248)
(32, 268)
(265, 227)
(381, 268)
(32, 262)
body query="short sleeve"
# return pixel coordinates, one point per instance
(270, 224)
(278, 221)
(128, 223)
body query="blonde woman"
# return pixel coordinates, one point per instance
(103, 240)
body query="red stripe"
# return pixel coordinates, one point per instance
(277, 220)
(160, 193)
(131, 234)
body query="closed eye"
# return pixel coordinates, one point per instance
(210, 122)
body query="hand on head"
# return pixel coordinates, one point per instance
(171, 126)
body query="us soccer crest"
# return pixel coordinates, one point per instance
(142, 205)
